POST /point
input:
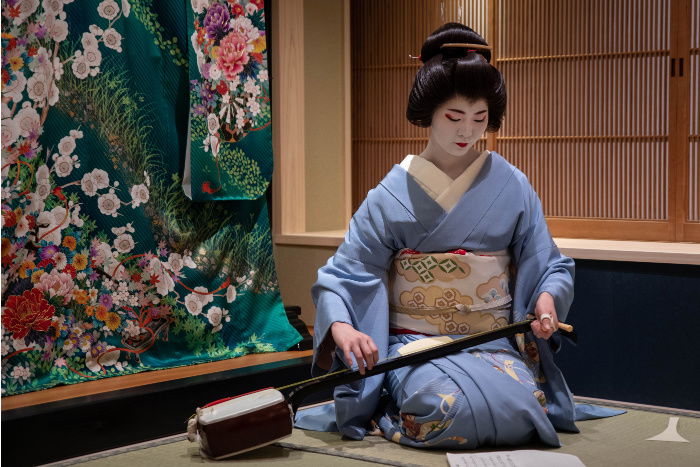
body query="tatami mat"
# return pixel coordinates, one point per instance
(617, 441)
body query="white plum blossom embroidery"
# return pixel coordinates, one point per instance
(139, 195)
(87, 184)
(231, 293)
(64, 165)
(89, 41)
(109, 204)
(80, 67)
(101, 178)
(112, 39)
(93, 57)
(108, 9)
(193, 304)
(124, 243)
(215, 316)
(37, 88)
(27, 120)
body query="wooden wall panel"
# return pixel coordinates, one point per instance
(588, 105)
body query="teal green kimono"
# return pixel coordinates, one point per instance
(108, 268)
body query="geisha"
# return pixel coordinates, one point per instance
(451, 242)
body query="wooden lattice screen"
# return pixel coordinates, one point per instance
(595, 118)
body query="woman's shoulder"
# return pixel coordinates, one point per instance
(501, 163)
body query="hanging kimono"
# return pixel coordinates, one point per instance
(415, 220)
(107, 267)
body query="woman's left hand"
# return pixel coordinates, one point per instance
(546, 314)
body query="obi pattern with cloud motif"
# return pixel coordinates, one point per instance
(455, 292)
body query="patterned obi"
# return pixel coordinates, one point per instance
(457, 292)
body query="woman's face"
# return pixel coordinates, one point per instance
(458, 124)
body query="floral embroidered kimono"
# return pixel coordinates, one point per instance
(404, 272)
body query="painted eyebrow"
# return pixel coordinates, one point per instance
(461, 112)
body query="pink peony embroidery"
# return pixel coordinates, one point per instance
(233, 55)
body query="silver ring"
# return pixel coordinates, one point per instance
(544, 316)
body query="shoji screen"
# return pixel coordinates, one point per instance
(384, 34)
(588, 112)
(607, 130)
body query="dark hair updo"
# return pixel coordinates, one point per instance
(451, 71)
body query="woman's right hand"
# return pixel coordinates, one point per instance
(352, 341)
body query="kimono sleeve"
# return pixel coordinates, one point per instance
(540, 265)
(542, 268)
(352, 288)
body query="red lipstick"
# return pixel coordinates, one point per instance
(461, 145)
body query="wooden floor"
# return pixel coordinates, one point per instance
(142, 379)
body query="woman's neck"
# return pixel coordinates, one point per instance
(451, 165)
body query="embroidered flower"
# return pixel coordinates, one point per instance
(56, 284)
(108, 204)
(216, 21)
(60, 260)
(21, 373)
(57, 68)
(199, 5)
(81, 296)
(215, 316)
(175, 262)
(124, 243)
(53, 7)
(251, 87)
(93, 57)
(14, 88)
(193, 304)
(139, 195)
(87, 184)
(101, 178)
(27, 119)
(57, 29)
(112, 39)
(106, 301)
(37, 88)
(22, 227)
(42, 191)
(108, 9)
(79, 261)
(233, 55)
(126, 8)
(26, 312)
(205, 297)
(42, 174)
(89, 41)
(213, 123)
(63, 165)
(10, 132)
(80, 67)
(113, 321)
(231, 294)
(26, 9)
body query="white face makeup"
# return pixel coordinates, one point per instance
(458, 124)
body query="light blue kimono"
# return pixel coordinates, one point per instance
(458, 400)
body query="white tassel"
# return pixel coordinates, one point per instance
(192, 434)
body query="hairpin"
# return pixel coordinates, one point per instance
(471, 47)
